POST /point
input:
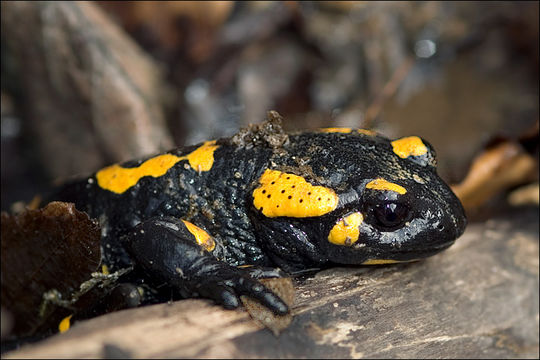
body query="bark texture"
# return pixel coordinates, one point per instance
(86, 85)
(478, 299)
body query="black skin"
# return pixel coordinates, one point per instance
(143, 226)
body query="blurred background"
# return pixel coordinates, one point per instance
(86, 84)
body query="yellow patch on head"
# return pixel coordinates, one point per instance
(366, 132)
(283, 194)
(408, 146)
(384, 261)
(201, 236)
(381, 184)
(118, 179)
(347, 230)
(65, 324)
(336, 130)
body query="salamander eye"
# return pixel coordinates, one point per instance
(391, 214)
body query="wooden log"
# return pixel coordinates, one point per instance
(478, 299)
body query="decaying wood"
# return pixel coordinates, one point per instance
(477, 299)
(81, 75)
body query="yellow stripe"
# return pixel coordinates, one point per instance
(381, 184)
(336, 130)
(385, 261)
(118, 179)
(379, 262)
(347, 130)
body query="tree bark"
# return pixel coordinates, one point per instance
(90, 95)
(478, 299)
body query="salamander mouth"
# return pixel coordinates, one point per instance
(409, 254)
(422, 252)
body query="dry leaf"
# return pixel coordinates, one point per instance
(53, 249)
(284, 288)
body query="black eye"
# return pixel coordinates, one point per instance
(391, 214)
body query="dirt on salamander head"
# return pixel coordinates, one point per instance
(268, 133)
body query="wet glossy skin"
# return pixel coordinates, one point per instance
(317, 198)
(347, 162)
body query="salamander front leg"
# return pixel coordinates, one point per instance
(181, 254)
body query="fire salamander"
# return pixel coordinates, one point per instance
(210, 219)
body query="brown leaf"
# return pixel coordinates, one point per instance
(54, 248)
(284, 288)
(498, 168)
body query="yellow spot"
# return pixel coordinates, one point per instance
(104, 269)
(367, 132)
(65, 324)
(202, 158)
(283, 194)
(336, 130)
(408, 146)
(347, 230)
(381, 184)
(201, 236)
(384, 261)
(118, 179)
